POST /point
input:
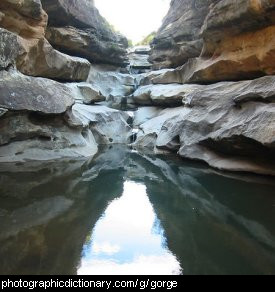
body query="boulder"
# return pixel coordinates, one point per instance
(147, 77)
(229, 125)
(109, 126)
(40, 59)
(86, 93)
(36, 123)
(116, 87)
(85, 43)
(139, 58)
(169, 95)
(144, 114)
(10, 48)
(76, 27)
(149, 131)
(22, 93)
(29, 136)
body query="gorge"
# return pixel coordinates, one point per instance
(184, 129)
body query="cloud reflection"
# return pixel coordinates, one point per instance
(128, 239)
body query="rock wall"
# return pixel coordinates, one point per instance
(179, 39)
(41, 116)
(218, 107)
(222, 93)
(77, 28)
(238, 42)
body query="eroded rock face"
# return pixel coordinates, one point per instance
(37, 122)
(113, 85)
(86, 93)
(24, 42)
(238, 44)
(139, 58)
(86, 44)
(109, 126)
(26, 18)
(41, 59)
(77, 28)
(22, 93)
(30, 136)
(229, 125)
(9, 48)
(169, 95)
(179, 38)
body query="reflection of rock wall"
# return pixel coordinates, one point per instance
(48, 212)
(47, 217)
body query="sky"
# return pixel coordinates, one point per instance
(134, 18)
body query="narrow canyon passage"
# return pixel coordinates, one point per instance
(145, 147)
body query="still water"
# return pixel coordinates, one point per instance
(130, 213)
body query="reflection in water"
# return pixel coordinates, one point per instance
(128, 239)
(126, 213)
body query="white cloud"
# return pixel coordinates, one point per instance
(143, 265)
(105, 247)
(127, 240)
(134, 18)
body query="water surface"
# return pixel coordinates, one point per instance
(130, 213)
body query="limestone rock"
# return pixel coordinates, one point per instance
(86, 93)
(150, 130)
(25, 45)
(77, 27)
(239, 44)
(139, 58)
(85, 43)
(147, 77)
(179, 38)
(162, 95)
(22, 93)
(40, 59)
(9, 48)
(35, 121)
(26, 18)
(109, 126)
(29, 136)
(113, 85)
(229, 125)
(144, 114)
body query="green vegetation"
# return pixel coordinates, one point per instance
(147, 40)
(130, 43)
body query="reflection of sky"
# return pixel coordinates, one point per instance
(128, 239)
